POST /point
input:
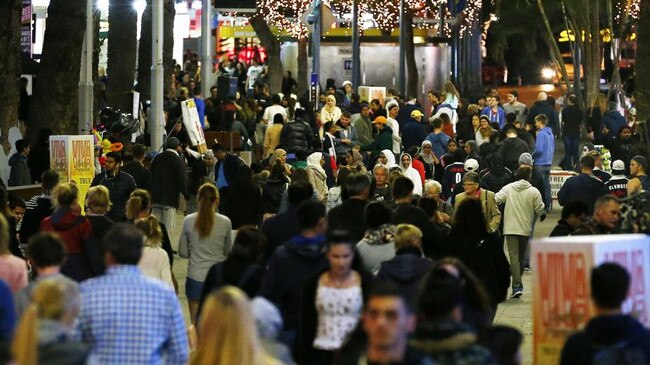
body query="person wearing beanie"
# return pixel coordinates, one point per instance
(638, 171)
(525, 159)
(617, 184)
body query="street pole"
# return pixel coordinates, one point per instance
(314, 85)
(156, 113)
(402, 48)
(206, 53)
(356, 46)
(86, 77)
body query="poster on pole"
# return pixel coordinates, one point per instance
(82, 164)
(73, 158)
(193, 125)
(59, 156)
(561, 285)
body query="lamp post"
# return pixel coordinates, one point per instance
(356, 46)
(86, 76)
(206, 52)
(156, 112)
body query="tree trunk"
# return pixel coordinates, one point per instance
(10, 11)
(168, 44)
(55, 100)
(144, 55)
(121, 54)
(272, 46)
(409, 49)
(592, 50)
(303, 67)
(642, 92)
(549, 39)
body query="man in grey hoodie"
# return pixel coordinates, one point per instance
(523, 204)
(19, 173)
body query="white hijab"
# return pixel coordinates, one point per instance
(313, 161)
(390, 157)
(412, 174)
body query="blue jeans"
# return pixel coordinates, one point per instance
(545, 171)
(571, 153)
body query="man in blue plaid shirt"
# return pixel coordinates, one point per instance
(127, 318)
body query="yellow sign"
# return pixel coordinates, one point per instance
(73, 158)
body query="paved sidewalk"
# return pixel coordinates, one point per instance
(513, 312)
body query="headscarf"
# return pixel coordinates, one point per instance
(390, 157)
(412, 174)
(356, 157)
(426, 158)
(313, 161)
(274, 156)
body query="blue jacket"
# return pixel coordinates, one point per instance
(544, 147)
(614, 121)
(499, 117)
(438, 143)
(413, 134)
(584, 188)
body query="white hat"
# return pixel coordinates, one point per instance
(632, 111)
(391, 103)
(471, 165)
(347, 82)
(618, 165)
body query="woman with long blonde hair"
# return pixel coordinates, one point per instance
(227, 333)
(45, 332)
(154, 262)
(206, 239)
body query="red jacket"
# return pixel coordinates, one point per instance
(419, 166)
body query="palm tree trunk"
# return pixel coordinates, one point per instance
(409, 49)
(121, 54)
(272, 46)
(54, 102)
(642, 92)
(169, 12)
(303, 67)
(144, 55)
(549, 39)
(10, 12)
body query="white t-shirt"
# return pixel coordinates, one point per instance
(252, 73)
(397, 139)
(271, 111)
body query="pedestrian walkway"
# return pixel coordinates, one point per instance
(516, 313)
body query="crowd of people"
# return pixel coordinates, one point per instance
(361, 233)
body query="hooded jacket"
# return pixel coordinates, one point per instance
(19, 173)
(544, 147)
(75, 231)
(289, 266)
(605, 331)
(412, 174)
(523, 203)
(405, 270)
(383, 141)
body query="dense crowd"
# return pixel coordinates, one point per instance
(363, 233)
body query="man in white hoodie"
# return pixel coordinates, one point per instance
(523, 204)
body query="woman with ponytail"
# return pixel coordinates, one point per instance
(139, 206)
(45, 332)
(154, 262)
(205, 240)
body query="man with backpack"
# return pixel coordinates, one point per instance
(611, 337)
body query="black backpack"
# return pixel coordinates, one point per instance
(620, 353)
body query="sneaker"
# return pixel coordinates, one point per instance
(516, 293)
(527, 268)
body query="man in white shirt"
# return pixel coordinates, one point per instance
(254, 70)
(275, 108)
(393, 109)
